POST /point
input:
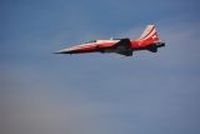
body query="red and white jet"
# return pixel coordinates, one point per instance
(149, 40)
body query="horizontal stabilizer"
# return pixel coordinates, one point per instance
(153, 49)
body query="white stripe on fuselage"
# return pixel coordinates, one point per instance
(93, 44)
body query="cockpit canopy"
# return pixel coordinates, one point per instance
(115, 38)
(91, 41)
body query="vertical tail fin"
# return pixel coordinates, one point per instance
(149, 33)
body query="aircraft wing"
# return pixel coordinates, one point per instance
(123, 47)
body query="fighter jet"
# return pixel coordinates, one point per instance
(149, 40)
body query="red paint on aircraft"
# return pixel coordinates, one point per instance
(149, 40)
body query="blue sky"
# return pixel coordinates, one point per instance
(98, 93)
